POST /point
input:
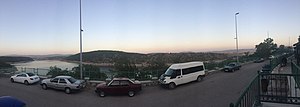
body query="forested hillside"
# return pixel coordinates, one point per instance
(106, 56)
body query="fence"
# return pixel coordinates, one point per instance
(279, 88)
(276, 88)
(250, 95)
(277, 59)
(90, 75)
(37, 71)
(296, 71)
(137, 75)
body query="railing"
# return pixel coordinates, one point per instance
(90, 75)
(250, 95)
(280, 88)
(275, 88)
(296, 71)
(37, 71)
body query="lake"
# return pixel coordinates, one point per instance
(43, 66)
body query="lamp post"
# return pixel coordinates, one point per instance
(80, 39)
(236, 38)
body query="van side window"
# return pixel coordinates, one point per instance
(192, 69)
(176, 72)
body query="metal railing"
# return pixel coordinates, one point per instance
(296, 70)
(275, 88)
(90, 75)
(250, 95)
(37, 71)
(281, 88)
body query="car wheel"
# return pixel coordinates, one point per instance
(26, 82)
(172, 85)
(101, 94)
(67, 90)
(199, 78)
(131, 93)
(12, 80)
(44, 86)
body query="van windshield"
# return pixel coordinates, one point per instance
(169, 72)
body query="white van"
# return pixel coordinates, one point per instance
(182, 73)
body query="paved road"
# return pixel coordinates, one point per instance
(216, 90)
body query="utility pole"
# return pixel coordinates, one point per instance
(80, 39)
(236, 38)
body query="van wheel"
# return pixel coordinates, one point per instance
(199, 78)
(172, 85)
(131, 93)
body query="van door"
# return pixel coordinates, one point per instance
(178, 77)
(186, 75)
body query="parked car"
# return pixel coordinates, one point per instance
(26, 78)
(182, 73)
(266, 69)
(233, 66)
(9, 101)
(119, 86)
(66, 83)
(259, 60)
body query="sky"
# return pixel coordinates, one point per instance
(38, 27)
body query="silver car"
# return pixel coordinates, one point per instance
(66, 83)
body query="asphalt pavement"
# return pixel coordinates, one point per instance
(216, 90)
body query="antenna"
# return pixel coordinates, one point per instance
(289, 40)
(268, 34)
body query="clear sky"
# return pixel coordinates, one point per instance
(144, 26)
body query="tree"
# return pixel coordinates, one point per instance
(265, 49)
(124, 67)
(91, 71)
(55, 71)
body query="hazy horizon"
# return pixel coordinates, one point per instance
(59, 54)
(38, 27)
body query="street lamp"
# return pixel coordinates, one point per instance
(236, 38)
(80, 39)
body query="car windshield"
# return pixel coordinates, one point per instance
(231, 64)
(30, 74)
(169, 72)
(72, 80)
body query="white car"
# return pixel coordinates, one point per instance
(26, 78)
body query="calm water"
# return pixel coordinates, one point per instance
(46, 64)
(43, 66)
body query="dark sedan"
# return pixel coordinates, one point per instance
(232, 67)
(119, 86)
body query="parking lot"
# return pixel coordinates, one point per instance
(216, 90)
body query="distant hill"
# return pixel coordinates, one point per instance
(108, 56)
(49, 57)
(5, 65)
(13, 59)
(234, 51)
